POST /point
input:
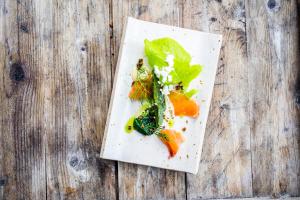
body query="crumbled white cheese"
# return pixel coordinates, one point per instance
(169, 78)
(170, 60)
(166, 89)
(161, 73)
(164, 74)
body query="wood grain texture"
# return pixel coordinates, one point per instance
(273, 55)
(56, 87)
(79, 89)
(141, 182)
(225, 168)
(22, 131)
(57, 62)
(8, 46)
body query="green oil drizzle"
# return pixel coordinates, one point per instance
(129, 125)
(171, 123)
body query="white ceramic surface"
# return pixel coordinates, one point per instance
(149, 150)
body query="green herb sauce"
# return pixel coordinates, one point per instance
(129, 125)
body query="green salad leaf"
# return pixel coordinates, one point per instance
(191, 93)
(157, 51)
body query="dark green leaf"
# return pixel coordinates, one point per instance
(146, 122)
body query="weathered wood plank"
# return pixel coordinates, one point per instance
(8, 46)
(225, 168)
(22, 96)
(273, 54)
(57, 59)
(135, 181)
(79, 87)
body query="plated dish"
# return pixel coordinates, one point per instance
(161, 96)
(161, 85)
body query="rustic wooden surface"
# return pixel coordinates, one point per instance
(57, 61)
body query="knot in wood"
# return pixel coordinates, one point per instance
(3, 181)
(17, 72)
(77, 163)
(271, 4)
(24, 28)
(73, 161)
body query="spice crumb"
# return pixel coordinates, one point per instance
(187, 156)
(183, 129)
(140, 63)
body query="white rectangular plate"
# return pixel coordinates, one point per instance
(149, 150)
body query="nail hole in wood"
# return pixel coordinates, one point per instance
(213, 19)
(24, 28)
(84, 47)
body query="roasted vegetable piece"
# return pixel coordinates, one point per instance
(141, 87)
(141, 90)
(172, 140)
(183, 106)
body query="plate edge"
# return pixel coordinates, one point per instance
(113, 90)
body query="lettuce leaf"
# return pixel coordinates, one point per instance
(157, 51)
(191, 93)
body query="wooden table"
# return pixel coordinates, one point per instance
(57, 62)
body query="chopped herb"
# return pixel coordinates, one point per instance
(179, 87)
(140, 63)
